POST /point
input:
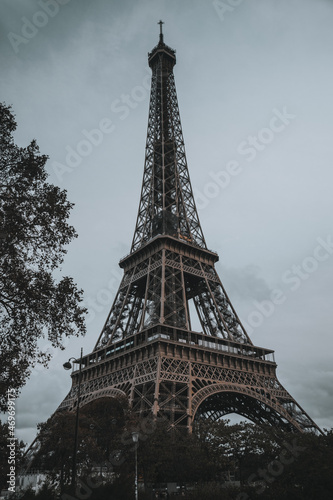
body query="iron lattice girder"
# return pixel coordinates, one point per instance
(176, 387)
(224, 403)
(160, 280)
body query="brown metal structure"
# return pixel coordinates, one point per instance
(147, 350)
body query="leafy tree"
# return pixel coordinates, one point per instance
(100, 431)
(55, 454)
(269, 463)
(33, 235)
(244, 448)
(46, 492)
(308, 476)
(176, 456)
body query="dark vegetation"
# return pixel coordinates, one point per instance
(34, 233)
(217, 461)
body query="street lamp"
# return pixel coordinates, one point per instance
(68, 365)
(135, 437)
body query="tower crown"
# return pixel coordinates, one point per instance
(162, 50)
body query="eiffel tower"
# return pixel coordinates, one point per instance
(147, 350)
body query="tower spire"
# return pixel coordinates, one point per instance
(161, 32)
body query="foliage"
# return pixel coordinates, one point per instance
(45, 493)
(33, 235)
(308, 475)
(219, 460)
(101, 425)
(242, 461)
(214, 491)
(174, 456)
(119, 490)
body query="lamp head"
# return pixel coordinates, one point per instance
(135, 437)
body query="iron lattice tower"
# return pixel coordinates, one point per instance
(147, 350)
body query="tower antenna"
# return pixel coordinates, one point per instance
(161, 32)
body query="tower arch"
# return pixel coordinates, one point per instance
(219, 400)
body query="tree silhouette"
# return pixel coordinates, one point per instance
(33, 235)
(100, 442)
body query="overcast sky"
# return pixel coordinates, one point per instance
(254, 84)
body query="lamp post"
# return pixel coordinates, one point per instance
(68, 365)
(135, 437)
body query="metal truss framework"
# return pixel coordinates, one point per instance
(147, 350)
(158, 287)
(166, 375)
(167, 204)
